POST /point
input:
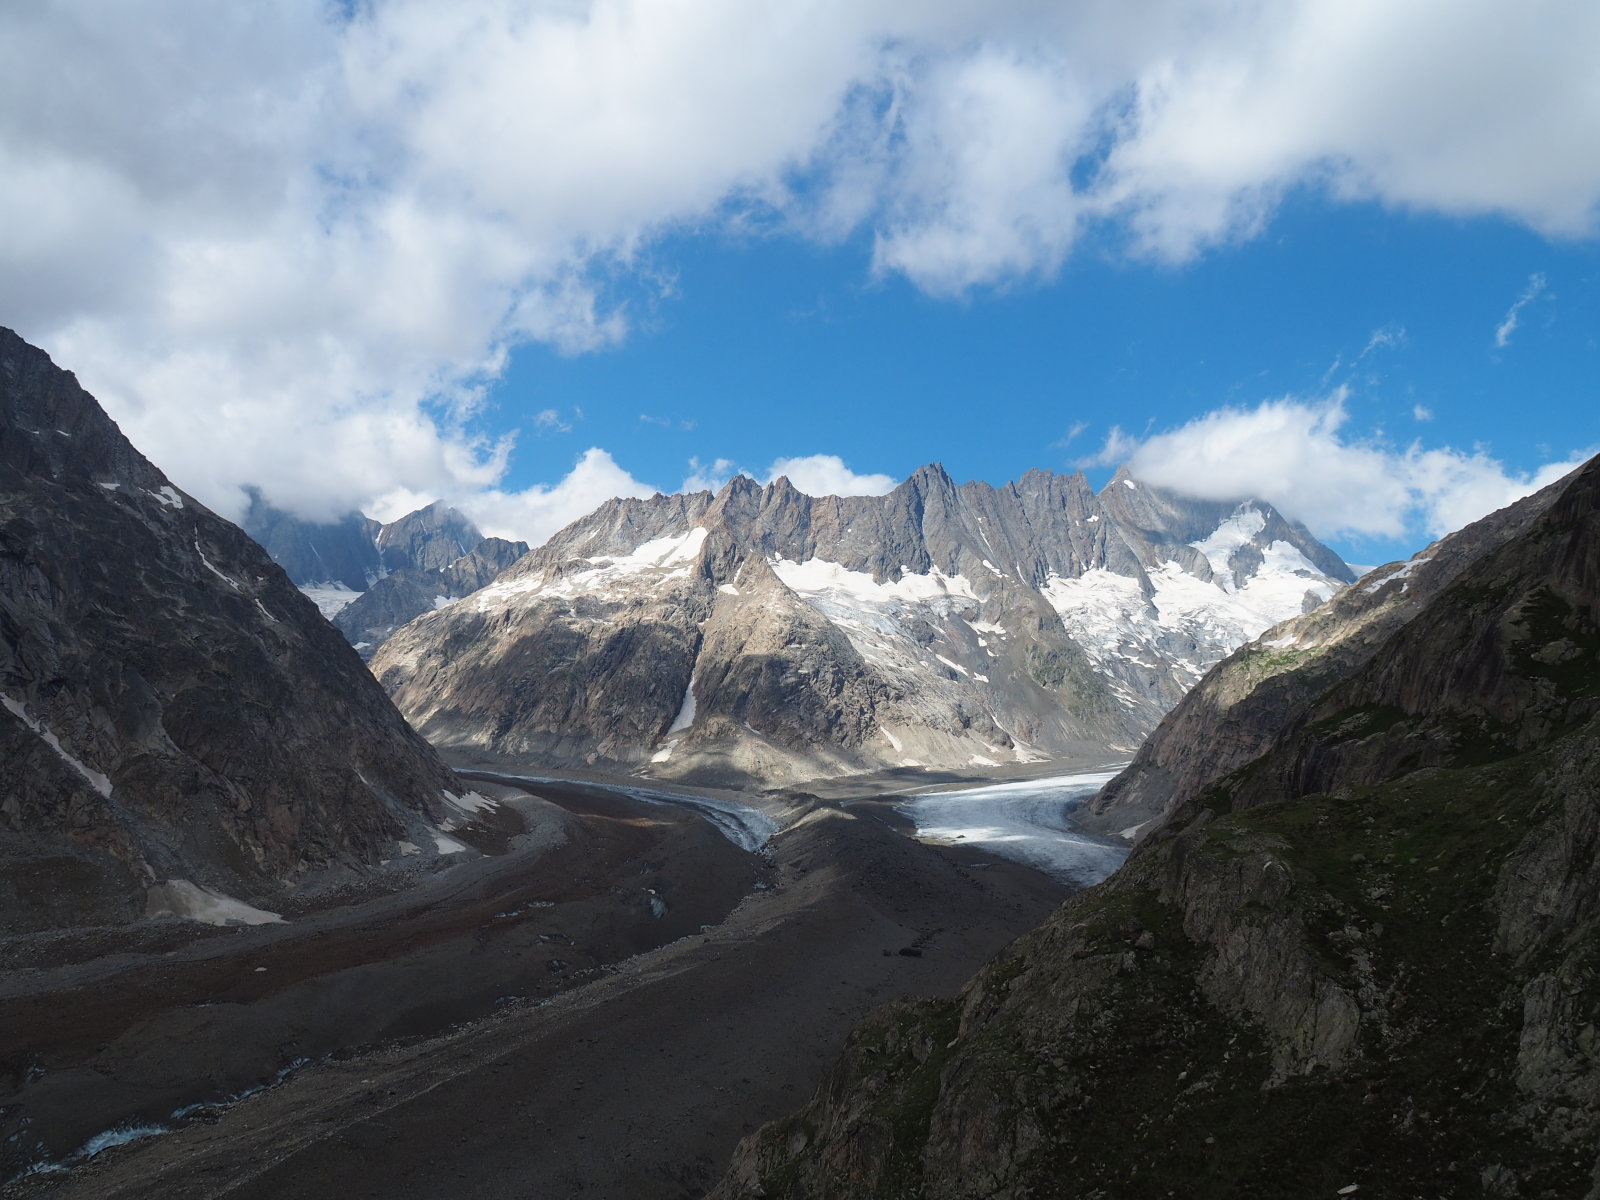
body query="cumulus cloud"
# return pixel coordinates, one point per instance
(813, 474)
(1508, 325)
(265, 232)
(536, 513)
(827, 475)
(1297, 455)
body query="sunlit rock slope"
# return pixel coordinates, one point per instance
(764, 634)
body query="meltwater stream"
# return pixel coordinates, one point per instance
(1026, 822)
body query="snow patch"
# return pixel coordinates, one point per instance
(330, 598)
(816, 576)
(727, 589)
(168, 496)
(96, 779)
(447, 845)
(210, 566)
(472, 802)
(685, 717)
(1237, 531)
(190, 901)
(1401, 572)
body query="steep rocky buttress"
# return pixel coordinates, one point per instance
(178, 725)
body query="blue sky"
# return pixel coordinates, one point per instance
(776, 349)
(529, 254)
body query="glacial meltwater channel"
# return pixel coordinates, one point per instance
(1027, 822)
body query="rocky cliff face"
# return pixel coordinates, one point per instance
(178, 726)
(765, 634)
(1365, 962)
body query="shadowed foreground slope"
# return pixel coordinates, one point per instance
(1368, 957)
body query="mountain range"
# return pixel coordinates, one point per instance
(760, 634)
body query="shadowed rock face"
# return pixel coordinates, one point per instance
(333, 552)
(764, 634)
(407, 593)
(171, 707)
(1367, 956)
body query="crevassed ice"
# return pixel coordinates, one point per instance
(330, 598)
(1110, 617)
(1238, 530)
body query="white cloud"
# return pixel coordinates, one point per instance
(1421, 412)
(713, 478)
(264, 232)
(813, 474)
(826, 475)
(1508, 326)
(1296, 455)
(536, 513)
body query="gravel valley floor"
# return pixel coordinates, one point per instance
(532, 1028)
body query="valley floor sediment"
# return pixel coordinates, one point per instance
(638, 1082)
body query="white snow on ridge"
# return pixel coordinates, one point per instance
(816, 576)
(1110, 616)
(880, 619)
(168, 496)
(96, 779)
(656, 561)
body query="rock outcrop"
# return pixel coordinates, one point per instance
(1363, 962)
(180, 730)
(762, 634)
